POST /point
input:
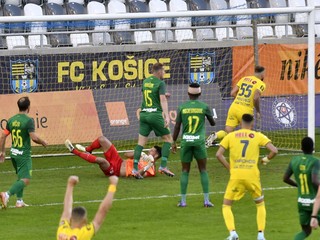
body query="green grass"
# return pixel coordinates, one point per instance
(146, 209)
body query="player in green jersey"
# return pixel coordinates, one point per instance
(305, 169)
(21, 127)
(154, 116)
(192, 114)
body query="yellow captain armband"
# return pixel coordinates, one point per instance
(112, 188)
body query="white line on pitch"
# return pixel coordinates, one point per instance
(145, 197)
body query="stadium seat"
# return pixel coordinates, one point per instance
(99, 38)
(79, 39)
(57, 40)
(161, 35)
(32, 9)
(37, 41)
(283, 31)
(16, 42)
(37, 2)
(73, 8)
(120, 36)
(81, 2)
(3, 43)
(201, 33)
(143, 37)
(300, 30)
(222, 32)
(13, 10)
(59, 2)
(13, 2)
(181, 22)
(242, 32)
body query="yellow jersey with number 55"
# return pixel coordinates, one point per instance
(247, 87)
(244, 149)
(65, 232)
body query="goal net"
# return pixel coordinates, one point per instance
(96, 90)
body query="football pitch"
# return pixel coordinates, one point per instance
(146, 209)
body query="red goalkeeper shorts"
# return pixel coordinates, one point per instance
(115, 161)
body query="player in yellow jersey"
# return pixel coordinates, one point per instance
(244, 148)
(73, 223)
(246, 95)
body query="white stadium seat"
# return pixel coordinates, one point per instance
(16, 41)
(35, 41)
(79, 39)
(31, 9)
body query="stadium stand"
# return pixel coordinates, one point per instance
(58, 39)
(241, 31)
(161, 35)
(136, 6)
(99, 38)
(186, 33)
(317, 18)
(121, 36)
(14, 41)
(31, 9)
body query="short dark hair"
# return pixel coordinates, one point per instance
(156, 67)
(307, 145)
(259, 69)
(78, 213)
(23, 103)
(247, 118)
(159, 149)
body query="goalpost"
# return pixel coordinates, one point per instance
(83, 92)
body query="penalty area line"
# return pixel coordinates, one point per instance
(145, 197)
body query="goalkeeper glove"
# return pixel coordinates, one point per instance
(265, 160)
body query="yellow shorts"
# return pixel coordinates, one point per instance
(238, 187)
(235, 115)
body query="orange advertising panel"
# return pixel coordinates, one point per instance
(57, 115)
(117, 114)
(286, 67)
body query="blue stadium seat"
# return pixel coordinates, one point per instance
(3, 43)
(57, 40)
(13, 10)
(121, 36)
(77, 8)
(137, 6)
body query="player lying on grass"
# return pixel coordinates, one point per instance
(73, 222)
(113, 164)
(305, 168)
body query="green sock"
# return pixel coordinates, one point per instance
(17, 187)
(184, 178)
(20, 194)
(300, 236)
(165, 153)
(204, 181)
(136, 156)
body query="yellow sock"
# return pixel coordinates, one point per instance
(261, 216)
(221, 134)
(228, 217)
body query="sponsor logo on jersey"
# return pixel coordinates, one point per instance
(201, 67)
(251, 135)
(284, 113)
(24, 75)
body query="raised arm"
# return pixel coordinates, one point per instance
(35, 138)
(68, 198)
(221, 157)
(106, 203)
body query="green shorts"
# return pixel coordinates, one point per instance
(305, 215)
(187, 152)
(152, 122)
(23, 167)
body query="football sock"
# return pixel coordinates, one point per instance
(228, 217)
(165, 151)
(19, 194)
(94, 145)
(300, 236)
(261, 216)
(137, 153)
(86, 156)
(16, 187)
(184, 198)
(184, 179)
(204, 182)
(221, 134)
